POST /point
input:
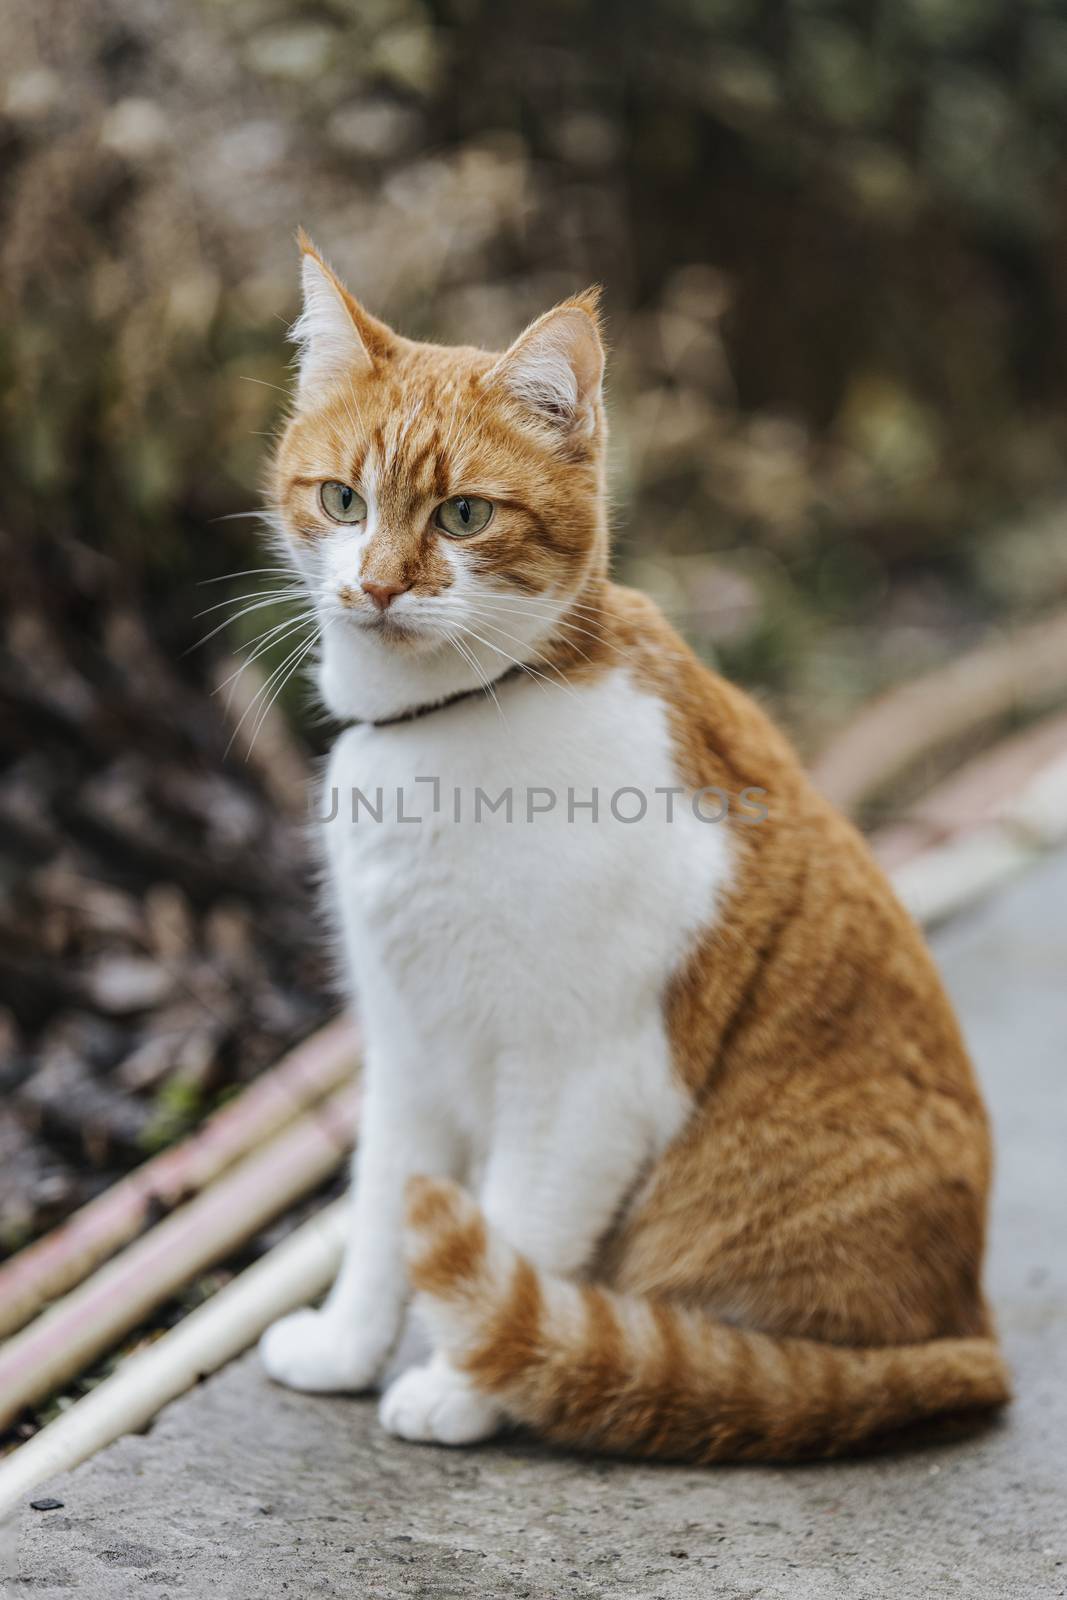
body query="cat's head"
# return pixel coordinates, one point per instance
(444, 505)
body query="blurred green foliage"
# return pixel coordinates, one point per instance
(179, 1106)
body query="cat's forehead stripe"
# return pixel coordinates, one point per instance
(411, 465)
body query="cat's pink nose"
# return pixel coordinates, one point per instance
(383, 594)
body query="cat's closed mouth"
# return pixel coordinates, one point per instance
(383, 626)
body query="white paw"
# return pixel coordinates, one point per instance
(319, 1353)
(436, 1404)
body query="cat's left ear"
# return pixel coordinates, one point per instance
(556, 367)
(335, 338)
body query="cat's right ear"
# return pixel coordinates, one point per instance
(335, 338)
(556, 368)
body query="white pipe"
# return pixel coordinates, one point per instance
(51, 1266)
(94, 1317)
(951, 876)
(294, 1272)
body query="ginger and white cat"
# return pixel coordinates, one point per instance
(724, 1159)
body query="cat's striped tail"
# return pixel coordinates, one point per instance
(586, 1367)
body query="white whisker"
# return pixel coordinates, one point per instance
(236, 516)
(524, 666)
(267, 641)
(553, 619)
(260, 605)
(494, 627)
(264, 384)
(265, 596)
(248, 572)
(567, 606)
(304, 651)
(487, 684)
(263, 689)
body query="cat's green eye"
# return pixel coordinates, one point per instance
(463, 515)
(342, 503)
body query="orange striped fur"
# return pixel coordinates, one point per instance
(592, 1368)
(796, 1269)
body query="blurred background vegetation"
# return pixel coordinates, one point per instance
(833, 239)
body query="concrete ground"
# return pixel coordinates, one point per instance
(242, 1491)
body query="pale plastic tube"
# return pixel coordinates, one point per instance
(294, 1272)
(65, 1257)
(92, 1318)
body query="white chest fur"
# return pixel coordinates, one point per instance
(546, 935)
(510, 970)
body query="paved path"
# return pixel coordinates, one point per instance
(242, 1490)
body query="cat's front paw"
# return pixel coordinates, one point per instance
(435, 1404)
(319, 1353)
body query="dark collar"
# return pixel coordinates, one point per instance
(481, 691)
